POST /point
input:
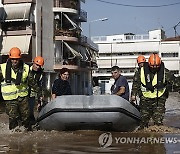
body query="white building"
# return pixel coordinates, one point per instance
(122, 50)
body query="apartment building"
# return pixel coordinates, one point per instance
(122, 50)
(51, 29)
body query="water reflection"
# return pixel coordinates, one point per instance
(85, 142)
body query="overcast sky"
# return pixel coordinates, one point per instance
(126, 19)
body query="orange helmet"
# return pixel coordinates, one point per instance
(39, 60)
(154, 61)
(15, 53)
(141, 59)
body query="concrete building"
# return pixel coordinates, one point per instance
(51, 29)
(122, 50)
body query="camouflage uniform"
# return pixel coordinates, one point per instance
(36, 91)
(37, 88)
(18, 109)
(153, 107)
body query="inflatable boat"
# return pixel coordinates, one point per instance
(99, 112)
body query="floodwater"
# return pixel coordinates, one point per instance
(154, 140)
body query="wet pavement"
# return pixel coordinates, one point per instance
(161, 140)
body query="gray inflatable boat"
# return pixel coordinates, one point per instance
(100, 112)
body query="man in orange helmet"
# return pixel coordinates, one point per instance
(15, 81)
(140, 61)
(36, 92)
(151, 85)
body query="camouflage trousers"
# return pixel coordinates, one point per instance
(152, 108)
(18, 112)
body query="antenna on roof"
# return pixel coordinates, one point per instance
(175, 28)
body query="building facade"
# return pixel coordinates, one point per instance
(122, 50)
(51, 29)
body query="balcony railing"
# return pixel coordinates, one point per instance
(136, 37)
(120, 38)
(17, 1)
(88, 42)
(66, 3)
(83, 16)
(66, 32)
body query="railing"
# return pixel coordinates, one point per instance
(60, 61)
(99, 38)
(64, 32)
(17, 1)
(83, 15)
(66, 3)
(86, 40)
(120, 38)
(136, 37)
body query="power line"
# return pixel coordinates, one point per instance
(138, 5)
(176, 33)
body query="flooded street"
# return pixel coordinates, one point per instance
(160, 140)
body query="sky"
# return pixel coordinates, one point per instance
(126, 19)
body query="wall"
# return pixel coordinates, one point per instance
(45, 21)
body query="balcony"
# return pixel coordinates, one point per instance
(86, 41)
(66, 54)
(72, 56)
(82, 17)
(66, 35)
(71, 64)
(17, 1)
(71, 4)
(84, 66)
(66, 28)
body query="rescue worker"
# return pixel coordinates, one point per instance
(36, 93)
(151, 85)
(15, 77)
(140, 61)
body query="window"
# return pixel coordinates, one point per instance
(169, 54)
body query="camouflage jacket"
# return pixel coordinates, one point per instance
(37, 88)
(170, 79)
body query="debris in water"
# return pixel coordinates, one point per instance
(159, 129)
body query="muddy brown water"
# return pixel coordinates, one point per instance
(154, 140)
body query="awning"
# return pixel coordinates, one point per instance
(22, 42)
(16, 12)
(88, 55)
(75, 26)
(93, 54)
(84, 53)
(74, 52)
